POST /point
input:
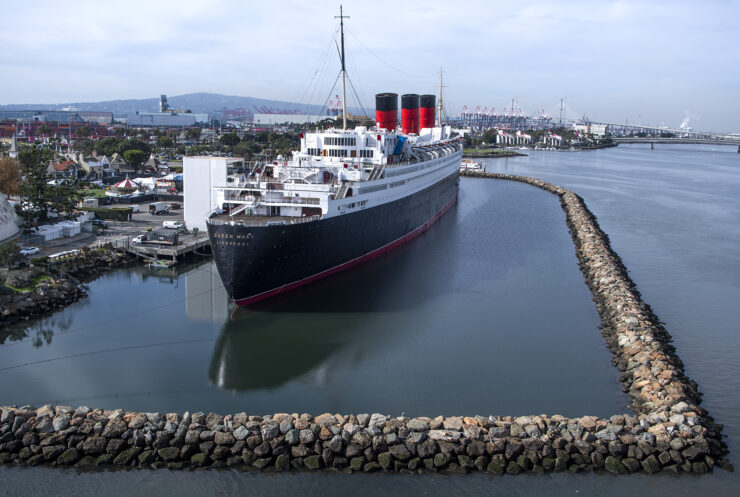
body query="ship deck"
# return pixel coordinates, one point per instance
(257, 220)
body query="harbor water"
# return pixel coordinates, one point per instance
(486, 313)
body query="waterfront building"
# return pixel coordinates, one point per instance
(95, 117)
(166, 119)
(550, 139)
(598, 130)
(199, 175)
(522, 138)
(59, 116)
(272, 119)
(504, 138)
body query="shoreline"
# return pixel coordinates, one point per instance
(493, 155)
(62, 288)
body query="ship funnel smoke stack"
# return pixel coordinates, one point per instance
(386, 111)
(426, 111)
(410, 113)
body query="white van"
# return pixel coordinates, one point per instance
(173, 225)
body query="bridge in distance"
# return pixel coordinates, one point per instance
(681, 136)
(681, 140)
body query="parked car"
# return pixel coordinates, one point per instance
(173, 225)
(99, 222)
(30, 251)
(174, 206)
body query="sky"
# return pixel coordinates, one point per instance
(649, 62)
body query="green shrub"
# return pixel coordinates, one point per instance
(9, 252)
(117, 214)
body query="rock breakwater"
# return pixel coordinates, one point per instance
(86, 438)
(668, 431)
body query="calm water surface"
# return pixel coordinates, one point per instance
(486, 313)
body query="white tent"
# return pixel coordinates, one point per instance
(147, 183)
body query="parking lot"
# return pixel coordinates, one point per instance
(140, 223)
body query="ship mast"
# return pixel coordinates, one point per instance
(439, 102)
(344, 71)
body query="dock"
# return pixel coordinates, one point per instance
(151, 251)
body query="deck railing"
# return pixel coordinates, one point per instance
(261, 220)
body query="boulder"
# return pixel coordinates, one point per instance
(651, 464)
(614, 465)
(94, 445)
(400, 452)
(69, 457)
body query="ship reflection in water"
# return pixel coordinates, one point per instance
(334, 324)
(272, 352)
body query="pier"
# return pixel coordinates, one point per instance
(187, 243)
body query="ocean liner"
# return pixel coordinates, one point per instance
(346, 196)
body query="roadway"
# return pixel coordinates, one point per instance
(688, 140)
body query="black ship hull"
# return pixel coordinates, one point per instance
(257, 262)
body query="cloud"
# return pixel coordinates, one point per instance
(608, 53)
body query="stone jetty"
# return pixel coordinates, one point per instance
(668, 431)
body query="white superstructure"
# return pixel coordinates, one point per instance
(336, 172)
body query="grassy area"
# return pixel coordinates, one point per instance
(488, 152)
(94, 192)
(34, 283)
(484, 151)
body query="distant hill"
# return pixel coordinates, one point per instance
(197, 102)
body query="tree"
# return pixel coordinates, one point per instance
(489, 136)
(284, 144)
(246, 150)
(82, 132)
(134, 144)
(84, 145)
(135, 158)
(193, 134)
(64, 197)
(9, 252)
(9, 176)
(197, 150)
(229, 139)
(43, 130)
(39, 198)
(108, 146)
(33, 185)
(165, 142)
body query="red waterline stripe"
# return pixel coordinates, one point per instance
(346, 265)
